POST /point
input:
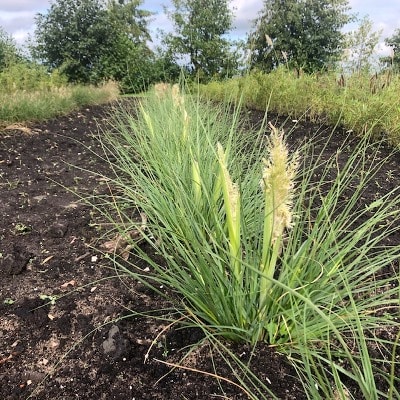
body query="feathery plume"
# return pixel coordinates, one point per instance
(161, 89)
(177, 98)
(232, 210)
(269, 40)
(278, 182)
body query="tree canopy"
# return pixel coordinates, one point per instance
(303, 34)
(91, 40)
(360, 46)
(199, 40)
(8, 50)
(394, 43)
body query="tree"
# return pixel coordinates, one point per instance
(165, 69)
(304, 34)
(199, 41)
(91, 40)
(73, 36)
(129, 60)
(360, 46)
(394, 43)
(130, 19)
(8, 50)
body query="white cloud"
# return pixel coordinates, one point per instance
(160, 21)
(19, 25)
(21, 35)
(17, 17)
(385, 15)
(23, 5)
(246, 11)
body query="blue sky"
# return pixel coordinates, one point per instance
(17, 16)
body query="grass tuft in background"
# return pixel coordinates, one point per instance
(360, 102)
(31, 94)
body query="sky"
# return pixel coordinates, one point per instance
(17, 16)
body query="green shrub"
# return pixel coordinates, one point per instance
(29, 77)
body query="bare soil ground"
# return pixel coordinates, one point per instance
(61, 335)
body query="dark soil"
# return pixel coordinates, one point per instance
(61, 335)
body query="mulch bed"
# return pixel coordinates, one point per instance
(61, 335)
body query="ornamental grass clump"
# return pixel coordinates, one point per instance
(190, 180)
(277, 183)
(257, 243)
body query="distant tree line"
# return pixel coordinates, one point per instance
(90, 41)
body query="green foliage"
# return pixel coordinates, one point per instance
(198, 41)
(360, 46)
(129, 60)
(90, 42)
(394, 43)
(304, 34)
(8, 50)
(133, 70)
(73, 36)
(164, 68)
(359, 102)
(29, 77)
(184, 166)
(129, 19)
(46, 100)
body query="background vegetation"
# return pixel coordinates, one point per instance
(306, 35)
(360, 102)
(264, 286)
(90, 42)
(29, 92)
(200, 37)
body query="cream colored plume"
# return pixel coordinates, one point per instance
(277, 181)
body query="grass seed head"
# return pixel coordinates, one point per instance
(278, 182)
(186, 120)
(232, 189)
(269, 40)
(161, 89)
(177, 97)
(232, 210)
(196, 177)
